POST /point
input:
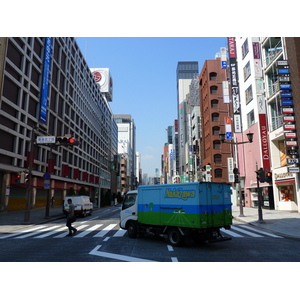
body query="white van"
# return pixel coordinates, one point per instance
(83, 205)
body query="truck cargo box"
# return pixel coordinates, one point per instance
(193, 205)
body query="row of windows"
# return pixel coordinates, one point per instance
(74, 101)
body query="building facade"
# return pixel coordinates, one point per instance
(126, 148)
(214, 113)
(185, 73)
(47, 89)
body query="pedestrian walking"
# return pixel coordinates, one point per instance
(71, 218)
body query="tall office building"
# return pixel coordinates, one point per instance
(47, 89)
(126, 148)
(185, 73)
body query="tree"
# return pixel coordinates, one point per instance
(71, 192)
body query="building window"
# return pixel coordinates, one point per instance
(250, 118)
(245, 48)
(216, 130)
(218, 158)
(214, 103)
(217, 144)
(214, 89)
(215, 117)
(213, 76)
(247, 71)
(218, 173)
(249, 94)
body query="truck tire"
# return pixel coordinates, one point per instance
(174, 237)
(132, 229)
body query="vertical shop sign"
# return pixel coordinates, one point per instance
(286, 96)
(234, 85)
(45, 80)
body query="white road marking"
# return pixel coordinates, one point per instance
(86, 232)
(246, 232)
(20, 232)
(120, 233)
(105, 230)
(170, 248)
(263, 232)
(117, 256)
(174, 259)
(230, 233)
(66, 228)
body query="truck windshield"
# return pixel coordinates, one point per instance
(129, 201)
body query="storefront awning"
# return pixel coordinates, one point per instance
(286, 181)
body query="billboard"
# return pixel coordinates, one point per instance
(103, 78)
(45, 80)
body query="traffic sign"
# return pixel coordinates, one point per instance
(46, 176)
(46, 139)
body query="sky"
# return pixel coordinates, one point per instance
(143, 70)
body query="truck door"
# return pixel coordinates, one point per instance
(220, 205)
(129, 209)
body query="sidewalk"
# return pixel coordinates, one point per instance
(283, 223)
(14, 220)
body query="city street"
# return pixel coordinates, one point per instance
(99, 239)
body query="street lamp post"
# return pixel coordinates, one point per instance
(250, 140)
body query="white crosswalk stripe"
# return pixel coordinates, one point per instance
(105, 230)
(247, 230)
(86, 232)
(20, 232)
(60, 231)
(265, 233)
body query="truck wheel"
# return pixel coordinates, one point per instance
(132, 230)
(174, 237)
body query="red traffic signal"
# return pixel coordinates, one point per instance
(71, 140)
(269, 177)
(67, 140)
(18, 179)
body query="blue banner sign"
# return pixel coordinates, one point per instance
(285, 86)
(283, 71)
(286, 102)
(45, 80)
(286, 95)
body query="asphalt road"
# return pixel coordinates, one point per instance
(99, 239)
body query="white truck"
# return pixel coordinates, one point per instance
(196, 210)
(83, 205)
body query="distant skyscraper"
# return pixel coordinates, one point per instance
(185, 73)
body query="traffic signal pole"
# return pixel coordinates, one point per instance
(260, 216)
(29, 186)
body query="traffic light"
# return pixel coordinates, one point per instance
(261, 175)
(24, 177)
(18, 178)
(236, 175)
(73, 142)
(269, 177)
(67, 140)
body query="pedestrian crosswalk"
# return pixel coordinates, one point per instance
(242, 230)
(60, 231)
(85, 229)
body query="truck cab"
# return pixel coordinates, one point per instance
(129, 213)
